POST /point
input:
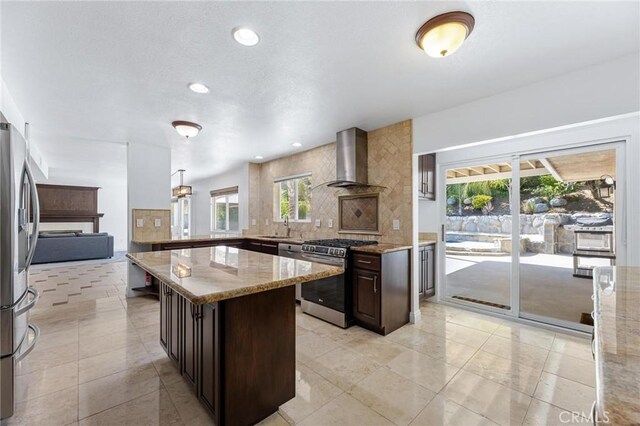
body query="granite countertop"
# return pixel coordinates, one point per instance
(210, 274)
(426, 242)
(617, 344)
(217, 237)
(383, 248)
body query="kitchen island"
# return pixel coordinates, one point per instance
(227, 320)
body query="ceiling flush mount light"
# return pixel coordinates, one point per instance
(187, 128)
(199, 88)
(259, 157)
(181, 190)
(444, 34)
(245, 36)
(296, 144)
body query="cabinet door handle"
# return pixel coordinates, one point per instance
(368, 262)
(270, 245)
(367, 278)
(375, 279)
(443, 238)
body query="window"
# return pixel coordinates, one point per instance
(292, 198)
(181, 217)
(224, 210)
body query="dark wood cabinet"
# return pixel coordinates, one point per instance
(190, 317)
(366, 306)
(426, 286)
(208, 359)
(427, 176)
(381, 290)
(170, 322)
(262, 246)
(164, 317)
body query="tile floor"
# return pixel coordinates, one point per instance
(99, 362)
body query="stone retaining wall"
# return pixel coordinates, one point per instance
(542, 233)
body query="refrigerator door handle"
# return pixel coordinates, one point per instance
(35, 202)
(23, 350)
(36, 295)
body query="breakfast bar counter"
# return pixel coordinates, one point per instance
(227, 321)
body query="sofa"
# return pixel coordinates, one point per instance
(70, 246)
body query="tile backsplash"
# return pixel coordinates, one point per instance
(149, 231)
(389, 161)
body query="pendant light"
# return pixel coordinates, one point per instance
(181, 190)
(444, 34)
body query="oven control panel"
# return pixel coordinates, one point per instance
(322, 250)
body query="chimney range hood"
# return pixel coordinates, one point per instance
(351, 159)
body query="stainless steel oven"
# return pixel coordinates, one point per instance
(330, 298)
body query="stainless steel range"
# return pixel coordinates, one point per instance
(330, 298)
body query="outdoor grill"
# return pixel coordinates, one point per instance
(594, 246)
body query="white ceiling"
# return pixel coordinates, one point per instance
(118, 71)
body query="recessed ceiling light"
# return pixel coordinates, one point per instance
(187, 128)
(444, 34)
(245, 36)
(259, 157)
(296, 144)
(199, 88)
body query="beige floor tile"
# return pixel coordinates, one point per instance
(565, 393)
(392, 396)
(377, 348)
(429, 372)
(167, 370)
(57, 408)
(201, 420)
(113, 362)
(104, 327)
(96, 345)
(477, 321)
(150, 332)
(185, 401)
(573, 346)
(571, 368)
(496, 402)
(43, 382)
(345, 410)
(541, 413)
(155, 408)
(458, 333)
(273, 420)
(340, 335)
(343, 367)
(110, 391)
(310, 346)
(307, 321)
(312, 392)
(444, 412)
(521, 353)
(144, 318)
(58, 338)
(504, 371)
(526, 334)
(45, 358)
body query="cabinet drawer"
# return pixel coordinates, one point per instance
(366, 261)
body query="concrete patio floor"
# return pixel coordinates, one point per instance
(547, 285)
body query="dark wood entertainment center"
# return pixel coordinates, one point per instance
(65, 203)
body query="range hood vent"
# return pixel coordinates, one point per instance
(351, 159)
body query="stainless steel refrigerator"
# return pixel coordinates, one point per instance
(19, 220)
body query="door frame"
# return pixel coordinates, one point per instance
(620, 223)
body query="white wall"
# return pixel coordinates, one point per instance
(201, 199)
(148, 187)
(595, 92)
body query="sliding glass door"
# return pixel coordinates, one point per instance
(559, 208)
(477, 233)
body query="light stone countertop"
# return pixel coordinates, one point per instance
(383, 248)
(217, 237)
(617, 344)
(211, 274)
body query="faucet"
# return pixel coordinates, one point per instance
(286, 224)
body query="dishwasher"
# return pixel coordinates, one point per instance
(294, 251)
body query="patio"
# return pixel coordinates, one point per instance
(547, 285)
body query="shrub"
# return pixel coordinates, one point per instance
(529, 206)
(550, 188)
(479, 201)
(488, 208)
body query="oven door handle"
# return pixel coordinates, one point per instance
(324, 259)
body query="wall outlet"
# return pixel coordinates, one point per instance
(139, 223)
(330, 223)
(396, 224)
(253, 222)
(318, 223)
(157, 223)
